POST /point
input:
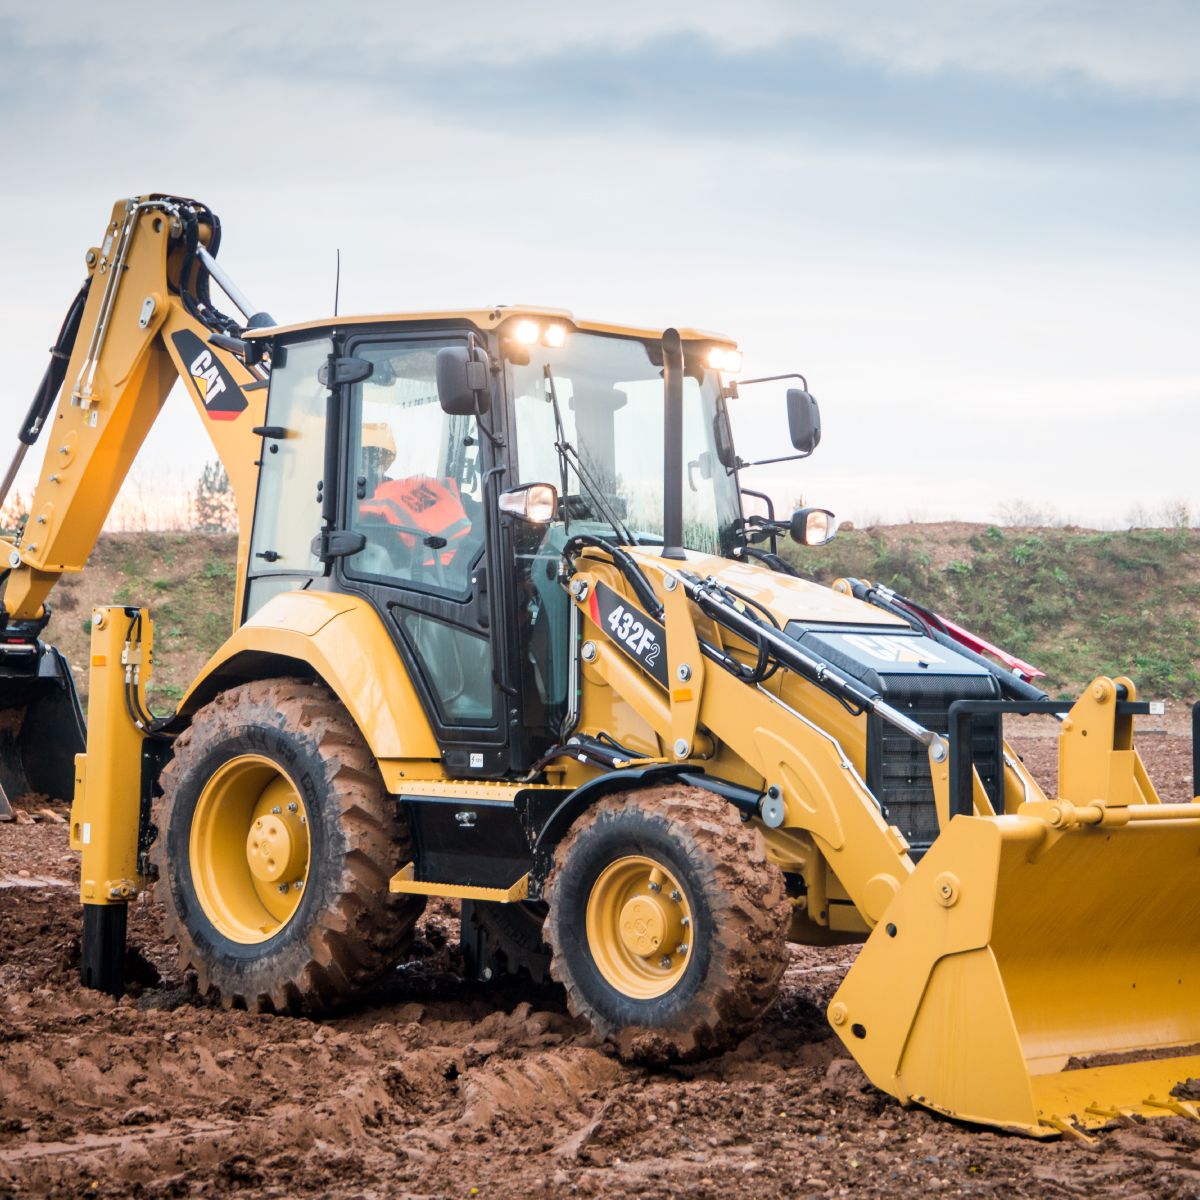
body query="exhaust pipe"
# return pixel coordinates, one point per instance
(672, 445)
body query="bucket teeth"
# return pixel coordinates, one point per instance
(1121, 1115)
(1181, 1108)
(1067, 1129)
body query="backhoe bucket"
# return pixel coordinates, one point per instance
(1035, 978)
(41, 724)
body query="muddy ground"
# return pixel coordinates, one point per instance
(436, 1087)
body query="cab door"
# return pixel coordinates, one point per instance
(415, 491)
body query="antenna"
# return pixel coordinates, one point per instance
(337, 281)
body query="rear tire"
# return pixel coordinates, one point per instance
(678, 970)
(281, 750)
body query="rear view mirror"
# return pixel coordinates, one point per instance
(462, 382)
(804, 420)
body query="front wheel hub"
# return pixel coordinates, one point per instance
(647, 924)
(638, 917)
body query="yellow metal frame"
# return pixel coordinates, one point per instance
(487, 319)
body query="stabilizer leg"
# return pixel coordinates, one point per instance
(102, 958)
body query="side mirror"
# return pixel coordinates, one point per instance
(536, 503)
(462, 382)
(804, 420)
(812, 526)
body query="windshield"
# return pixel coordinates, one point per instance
(610, 396)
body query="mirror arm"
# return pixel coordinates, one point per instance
(495, 439)
(773, 379)
(762, 462)
(475, 345)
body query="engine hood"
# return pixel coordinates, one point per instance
(788, 598)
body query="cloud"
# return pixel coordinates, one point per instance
(1148, 47)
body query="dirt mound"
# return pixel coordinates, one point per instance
(433, 1086)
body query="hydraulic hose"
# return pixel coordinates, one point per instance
(624, 563)
(48, 389)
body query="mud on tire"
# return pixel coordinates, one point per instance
(740, 917)
(348, 929)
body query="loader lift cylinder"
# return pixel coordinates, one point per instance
(672, 445)
(789, 652)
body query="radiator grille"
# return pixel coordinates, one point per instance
(898, 766)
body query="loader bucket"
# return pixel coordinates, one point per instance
(1036, 979)
(41, 724)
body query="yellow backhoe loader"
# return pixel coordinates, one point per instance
(504, 632)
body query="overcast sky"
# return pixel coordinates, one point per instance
(972, 225)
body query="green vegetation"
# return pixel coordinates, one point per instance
(1075, 603)
(185, 580)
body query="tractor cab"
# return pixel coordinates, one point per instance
(436, 465)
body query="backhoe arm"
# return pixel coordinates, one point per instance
(147, 319)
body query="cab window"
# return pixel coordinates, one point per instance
(417, 485)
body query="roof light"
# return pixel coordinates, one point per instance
(725, 358)
(527, 333)
(555, 336)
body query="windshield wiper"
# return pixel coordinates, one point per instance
(568, 455)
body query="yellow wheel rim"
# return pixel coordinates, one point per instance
(639, 927)
(249, 849)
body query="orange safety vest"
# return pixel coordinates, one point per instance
(421, 502)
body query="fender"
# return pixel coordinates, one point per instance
(344, 642)
(745, 800)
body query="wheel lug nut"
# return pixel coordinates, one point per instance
(682, 948)
(299, 885)
(676, 895)
(656, 887)
(685, 921)
(293, 807)
(665, 961)
(277, 809)
(283, 887)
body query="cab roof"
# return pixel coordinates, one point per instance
(486, 319)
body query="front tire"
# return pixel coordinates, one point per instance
(276, 841)
(667, 923)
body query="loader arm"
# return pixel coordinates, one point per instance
(147, 321)
(1064, 925)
